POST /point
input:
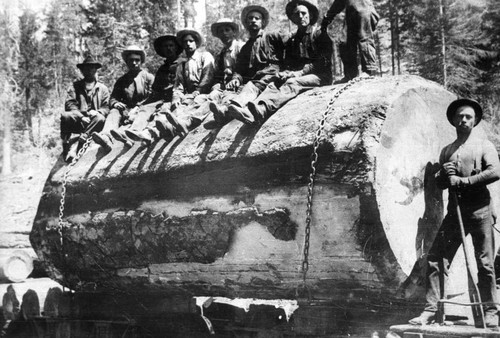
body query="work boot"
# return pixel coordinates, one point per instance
(426, 317)
(144, 136)
(240, 114)
(65, 147)
(219, 112)
(166, 130)
(491, 319)
(120, 135)
(258, 111)
(180, 125)
(103, 140)
(72, 153)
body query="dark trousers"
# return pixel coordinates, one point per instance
(273, 98)
(71, 122)
(252, 89)
(477, 223)
(360, 26)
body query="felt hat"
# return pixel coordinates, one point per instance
(452, 109)
(256, 8)
(311, 5)
(158, 41)
(224, 22)
(89, 61)
(196, 36)
(133, 49)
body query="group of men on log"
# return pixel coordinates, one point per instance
(251, 80)
(247, 81)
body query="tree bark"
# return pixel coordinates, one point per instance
(221, 212)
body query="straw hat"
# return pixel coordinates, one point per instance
(196, 36)
(224, 22)
(133, 49)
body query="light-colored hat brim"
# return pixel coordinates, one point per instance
(215, 27)
(197, 36)
(126, 52)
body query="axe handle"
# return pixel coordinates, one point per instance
(474, 296)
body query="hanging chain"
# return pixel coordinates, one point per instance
(61, 222)
(312, 175)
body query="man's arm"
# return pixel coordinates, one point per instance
(207, 74)
(441, 176)
(71, 102)
(490, 167)
(104, 104)
(324, 50)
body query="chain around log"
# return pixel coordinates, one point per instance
(312, 175)
(60, 224)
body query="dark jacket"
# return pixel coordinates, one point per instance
(259, 56)
(309, 53)
(132, 90)
(78, 99)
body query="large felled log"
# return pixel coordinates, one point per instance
(222, 212)
(16, 264)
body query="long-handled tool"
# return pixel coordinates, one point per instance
(474, 296)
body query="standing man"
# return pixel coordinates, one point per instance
(306, 65)
(257, 64)
(85, 108)
(468, 165)
(129, 92)
(361, 20)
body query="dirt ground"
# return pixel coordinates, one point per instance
(20, 193)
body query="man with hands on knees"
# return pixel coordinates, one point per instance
(468, 165)
(85, 109)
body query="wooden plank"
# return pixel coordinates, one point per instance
(445, 330)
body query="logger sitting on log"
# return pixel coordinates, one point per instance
(306, 64)
(256, 66)
(226, 30)
(361, 20)
(129, 92)
(193, 80)
(165, 46)
(85, 108)
(468, 165)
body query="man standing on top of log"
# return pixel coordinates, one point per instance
(193, 80)
(361, 20)
(128, 94)
(306, 64)
(468, 165)
(257, 64)
(85, 108)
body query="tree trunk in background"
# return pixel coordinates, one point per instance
(391, 20)
(443, 41)
(396, 36)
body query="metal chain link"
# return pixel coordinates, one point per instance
(61, 222)
(312, 175)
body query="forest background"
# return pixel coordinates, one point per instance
(453, 42)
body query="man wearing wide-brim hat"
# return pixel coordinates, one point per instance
(86, 107)
(468, 165)
(128, 94)
(256, 66)
(193, 81)
(306, 64)
(167, 47)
